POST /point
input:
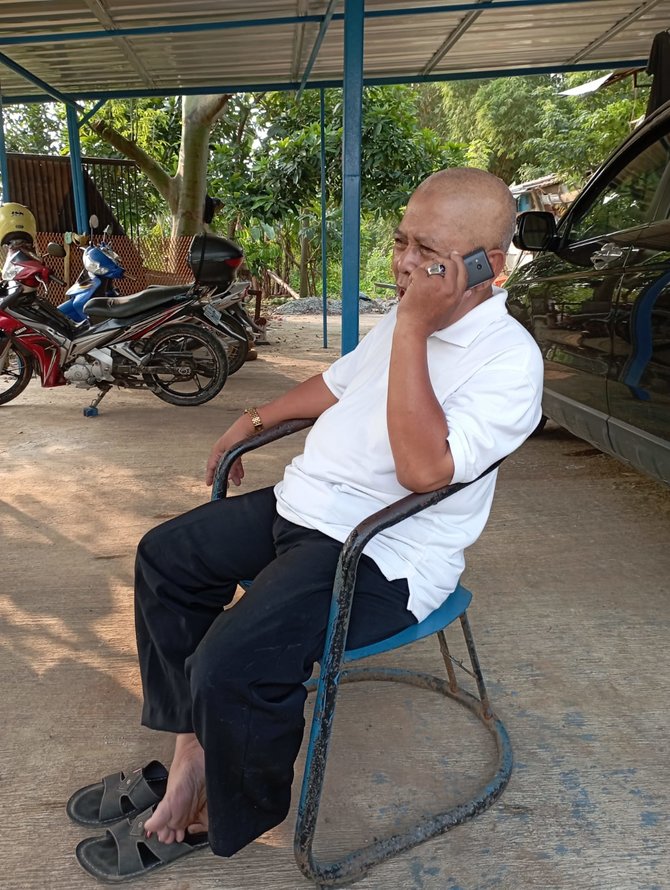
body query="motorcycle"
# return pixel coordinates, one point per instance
(102, 268)
(161, 338)
(230, 306)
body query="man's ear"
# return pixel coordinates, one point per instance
(497, 259)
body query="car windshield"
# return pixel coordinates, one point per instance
(635, 195)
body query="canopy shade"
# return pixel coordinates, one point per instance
(105, 48)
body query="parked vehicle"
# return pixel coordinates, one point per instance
(146, 340)
(102, 268)
(239, 334)
(597, 299)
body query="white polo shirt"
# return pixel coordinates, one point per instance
(486, 371)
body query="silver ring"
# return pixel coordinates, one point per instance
(436, 269)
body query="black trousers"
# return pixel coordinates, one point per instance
(235, 677)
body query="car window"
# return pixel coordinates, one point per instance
(632, 197)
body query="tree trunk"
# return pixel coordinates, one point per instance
(185, 191)
(198, 115)
(160, 179)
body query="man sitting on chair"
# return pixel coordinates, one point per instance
(441, 388)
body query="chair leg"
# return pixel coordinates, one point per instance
(448, 663)
(357, 863)
(474, 661)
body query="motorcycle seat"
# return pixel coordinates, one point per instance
(133, 304)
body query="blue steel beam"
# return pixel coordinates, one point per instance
(196, 27)
(4, 169)
(324, 256)
(78, 186)
(89, 114)
(317, 45)
(351, 170)
(336, 83)
(157, 30)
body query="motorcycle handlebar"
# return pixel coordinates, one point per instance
(58, 280)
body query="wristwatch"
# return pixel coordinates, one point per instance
(255, 419)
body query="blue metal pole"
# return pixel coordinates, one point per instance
(351, 170)
(4, 169)
(324, 258)
(77, 170)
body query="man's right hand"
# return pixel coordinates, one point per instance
(232, 436)
(236, 474)
(308, 399)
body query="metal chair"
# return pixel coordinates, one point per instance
(357, 863)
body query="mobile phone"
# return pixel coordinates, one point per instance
(478, 266)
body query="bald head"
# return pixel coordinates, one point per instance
(455, 211)
(480, 204)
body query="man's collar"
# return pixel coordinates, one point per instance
(466, 329)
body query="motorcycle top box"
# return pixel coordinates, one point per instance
(214, 260)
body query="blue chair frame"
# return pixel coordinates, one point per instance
(357, 863)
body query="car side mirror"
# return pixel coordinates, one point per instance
(54, 249)
(536, 230)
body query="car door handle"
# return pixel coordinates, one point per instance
(608, 254)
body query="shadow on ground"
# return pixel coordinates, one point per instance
(571, 615)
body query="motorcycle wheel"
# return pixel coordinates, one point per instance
(236, 349)
(16, 369)
(194, 361)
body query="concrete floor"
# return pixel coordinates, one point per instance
(571, 615)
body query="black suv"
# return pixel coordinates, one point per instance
(597, 300)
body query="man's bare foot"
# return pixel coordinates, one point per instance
(184, 806)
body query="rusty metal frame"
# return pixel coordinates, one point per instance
(357, 863)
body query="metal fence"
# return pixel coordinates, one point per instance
(148, 260)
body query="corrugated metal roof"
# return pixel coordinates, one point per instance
(94, 48)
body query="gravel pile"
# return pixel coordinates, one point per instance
(313, 305)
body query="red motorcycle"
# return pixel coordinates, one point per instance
(136, 342)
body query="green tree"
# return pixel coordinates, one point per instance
(35, 129)
(521, 127)
(579, 132)
(495, 119)
(177, 169)
(262, 156)
(397, 153)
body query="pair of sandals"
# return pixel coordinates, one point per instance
(125, 801)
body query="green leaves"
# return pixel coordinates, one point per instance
(521, 128)
(264, 152)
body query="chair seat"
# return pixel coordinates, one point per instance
(453, 607)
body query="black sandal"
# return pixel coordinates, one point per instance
(118, 796)
(125, 852)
